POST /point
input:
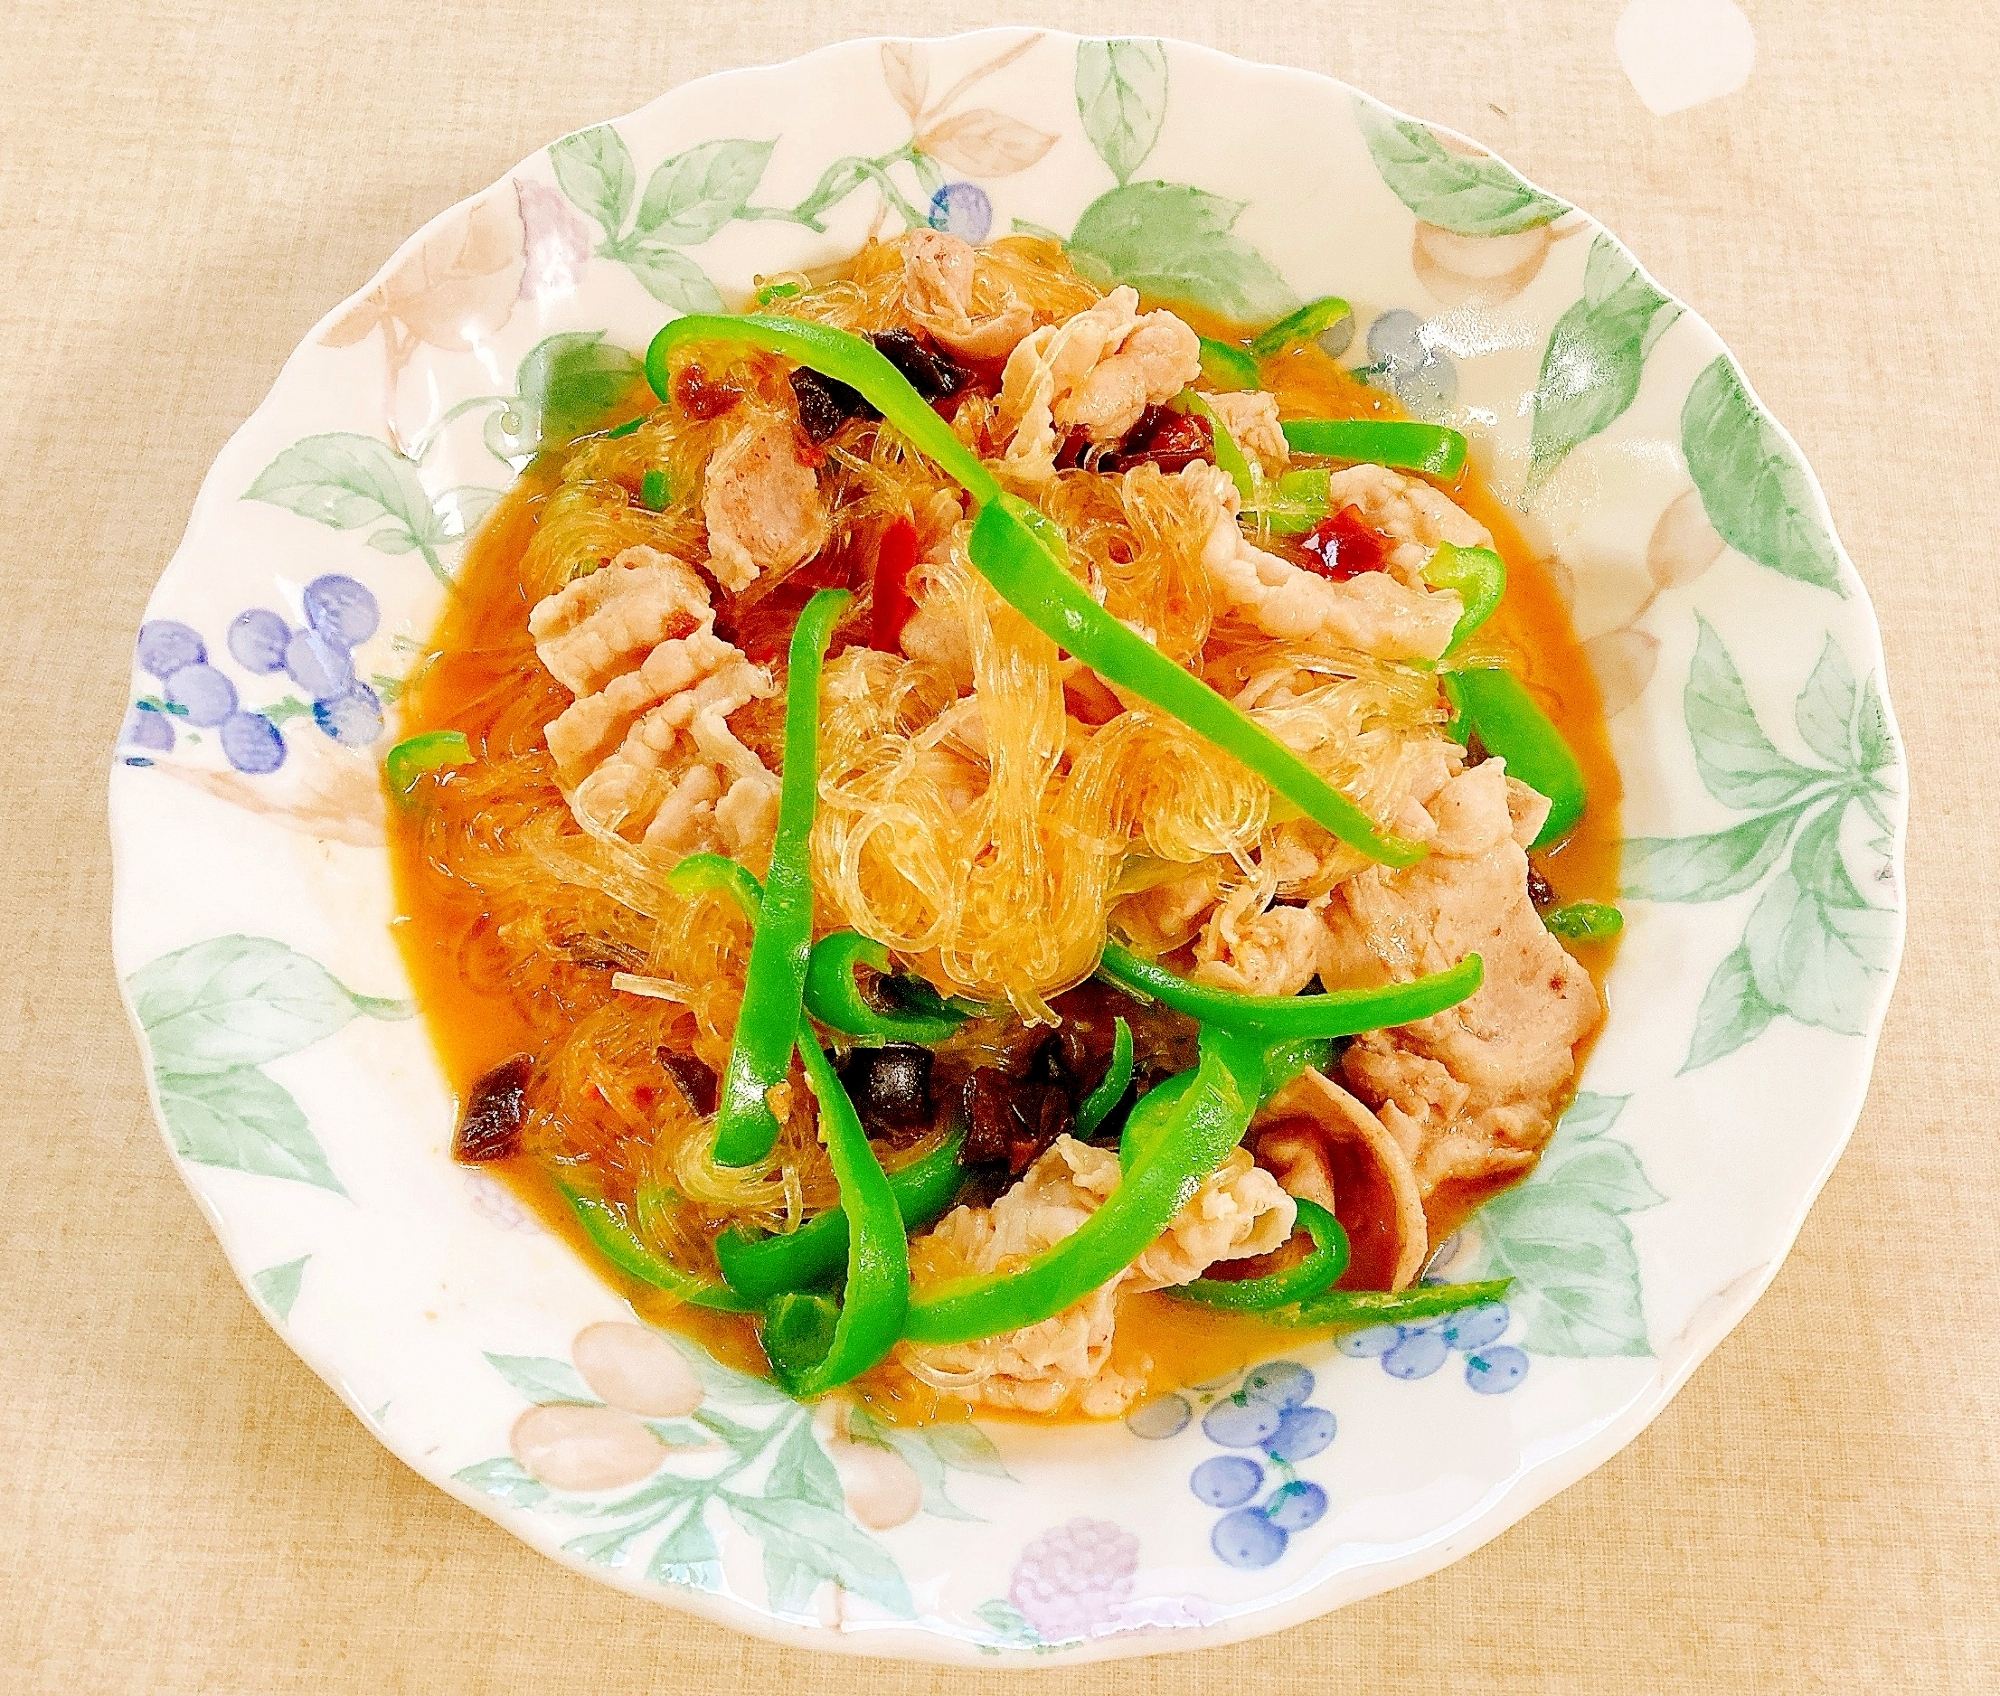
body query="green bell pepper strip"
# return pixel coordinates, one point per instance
(1584, 921)
(843, 356)
(1296, 502)
(773, 1265)
(653, 489)
(1149, 1115)
(1228, 455)
(1206, 1121)
(611, 1234)
(703, 874)
(1226, 367)
(1005, 550)
(1380, 441)
(629, 427)
(1309, 1277)
(835, 999)
(1096, 1107)
(1311, 320)
(758, 1268)
(1494, 704)
(812, 1344)
(1009, 551)
(1284, 1061)
(1339, 1012)
(774, 980)
(1390, 1307)
(1480, 577)
(425, 751)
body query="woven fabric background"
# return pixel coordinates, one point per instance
(186, 185)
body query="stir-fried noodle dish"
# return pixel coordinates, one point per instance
(981, 842)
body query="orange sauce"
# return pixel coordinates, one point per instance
(483, 680)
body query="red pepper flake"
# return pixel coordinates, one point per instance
(700, 396)
(1342, 546)
(895, 557)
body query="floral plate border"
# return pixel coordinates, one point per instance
(1736, 650)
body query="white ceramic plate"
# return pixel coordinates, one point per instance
(1737, 653)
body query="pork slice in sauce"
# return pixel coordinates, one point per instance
(1475, 1090)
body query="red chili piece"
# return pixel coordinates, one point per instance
(1342, 546)
(894, 560)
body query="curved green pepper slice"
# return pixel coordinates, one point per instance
(1096, 1107)
(611, 1234)
(760, 1058)
(1339, 1012)
(1228, 456)
(1311, 320)
(1295, 503)
(1309, 1277)
(1013, 560)
(425, 751)
(1285, 1060)
(1380, 441)
(702, 874)
(758, 1268)
(835, 999)
(1495, 705)
(812, 1342)
(1207, 1119)
(1584, 921)
(1390, 1307)
(1010, 553)
(1480, 577)
(1225, 367)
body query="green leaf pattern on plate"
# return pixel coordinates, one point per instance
(686, 1554)
(1472, 195)
(693, 194)
(277, 1287)
(1175, 241)
(241, 1119)
(507, 1480)
(565, 385)
(1561, 1234)
(687, 199)
(933, 1452)
(1813, 947)
(1121, 96)
(348, 482)
(1752, 486)
(1595, 356)
(778, 1483)
(214, 1013)
(540, 1379)
(1009, 1625)
(594, 168)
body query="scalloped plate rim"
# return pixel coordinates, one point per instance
(1527, 1488)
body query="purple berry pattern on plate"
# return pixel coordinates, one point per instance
(316, 657)
(1269, 1426)
(1418, 1349)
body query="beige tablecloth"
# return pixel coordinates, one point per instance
(186, 185)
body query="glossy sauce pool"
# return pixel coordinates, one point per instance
(482, 666)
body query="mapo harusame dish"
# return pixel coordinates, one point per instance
(992, 846)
